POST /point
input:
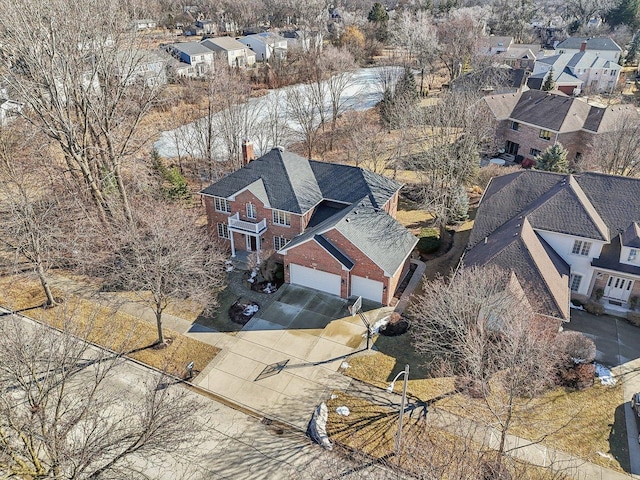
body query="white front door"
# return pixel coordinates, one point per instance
(618, 288)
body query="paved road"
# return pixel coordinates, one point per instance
(232, 445)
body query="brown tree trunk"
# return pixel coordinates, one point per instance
(161, 340)
(45, 285)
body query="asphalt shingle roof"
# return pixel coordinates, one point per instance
(610, 259)
(602, 43)
(294, 184)
(516, 247)
(372, 231)
(631, 236)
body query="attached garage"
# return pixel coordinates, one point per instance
(311, 278)
(366, 288)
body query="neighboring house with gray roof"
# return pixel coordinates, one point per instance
(266, 45)
(563, 236)
(602, 46)
(198, 57)
(333, 226)
(529, 122)
(235, 53)
(576, 72)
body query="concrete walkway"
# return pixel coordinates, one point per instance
(525, 450)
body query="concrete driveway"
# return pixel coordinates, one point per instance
(618, 346)
(286, 359)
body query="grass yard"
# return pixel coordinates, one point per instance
(103, 325)
(371, 429)
(581, 423)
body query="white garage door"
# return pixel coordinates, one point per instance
(366, 288)
(308, 277)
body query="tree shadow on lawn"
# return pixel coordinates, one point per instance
(219, 320)
(618, 443)
(401, 348)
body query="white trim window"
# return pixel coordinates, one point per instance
(223, 230)
(574, 282)
(545, 134)
(279, 242)
(633, 254)
(581, 247)
(251, 211)
(281, 218)
(221, 205)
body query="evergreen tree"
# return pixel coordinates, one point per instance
(378, 14)
(549, 84)
(624, 13)
(553, 159)
(406, 88)
(632, 54)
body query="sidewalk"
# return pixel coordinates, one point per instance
(536, 454)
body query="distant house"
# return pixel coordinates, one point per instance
(144, 24)
(199, 58)
(531, 121)
(603, 47)
(491, 80)
(9, 109)
(266, 45)
(562, 236)
(145, 66)
(520, 55)
(192, 31)
(493, 45)
(208, 26)
(303, 40)
(577, 72)
(333, 226)
(236, 53)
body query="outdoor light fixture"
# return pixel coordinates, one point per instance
(405, 372)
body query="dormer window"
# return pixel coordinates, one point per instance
(515, 126)
(633, 254)
(581, 247)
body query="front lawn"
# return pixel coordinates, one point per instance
(581, 423)
(103, 325)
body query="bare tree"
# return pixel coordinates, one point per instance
(457, 39)
(77, 69)
(164, 257)
(480, 327)
(65, 412)
(30, 214)
(339, 65)
(417, 34)
(616, 152)
(303, 109)
(454, 130)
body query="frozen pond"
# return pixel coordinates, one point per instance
(266, 121)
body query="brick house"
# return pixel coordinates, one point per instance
(529, 122)
(333, 226)
(563, 236)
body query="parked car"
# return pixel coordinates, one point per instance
(635, 406)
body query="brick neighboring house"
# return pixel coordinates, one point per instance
(562, 236)
(332, 225)
(531, 121)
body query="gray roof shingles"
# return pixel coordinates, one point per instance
(295, 184)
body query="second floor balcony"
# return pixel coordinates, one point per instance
(244, 226)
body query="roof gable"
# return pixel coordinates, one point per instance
(516, 247)
(294, 184)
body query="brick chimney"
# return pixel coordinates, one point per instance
(583, 46)
(247, 152)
